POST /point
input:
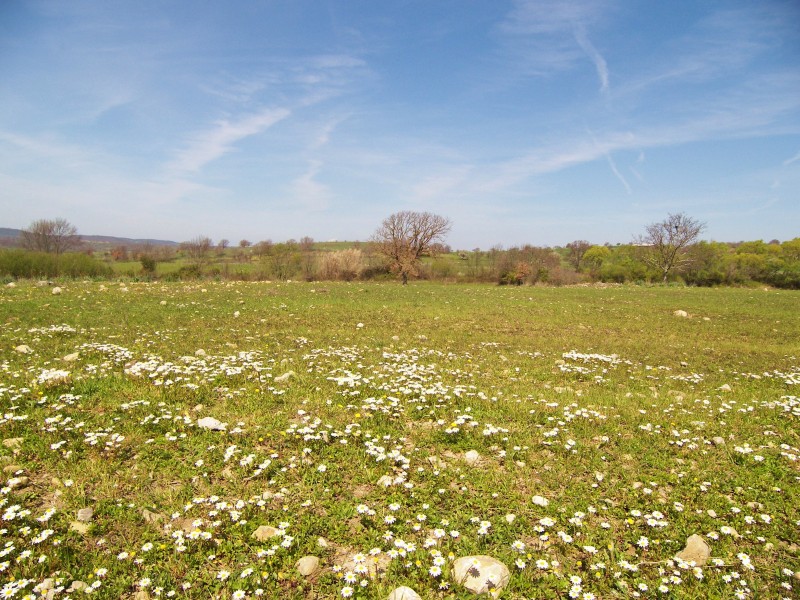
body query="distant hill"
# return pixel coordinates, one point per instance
(7, 234)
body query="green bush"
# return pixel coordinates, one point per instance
(27, 264)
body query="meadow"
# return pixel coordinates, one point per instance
(197, 440)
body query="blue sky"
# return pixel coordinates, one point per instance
(527, 121)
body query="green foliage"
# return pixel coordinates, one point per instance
(148, 265)
(30, 265)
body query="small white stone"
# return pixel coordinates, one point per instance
(71, 357)
(307, 566)
(77, 586)
(211, 423)
(265, 532)
(56, 291)
(472, 457)
(540, 501)
(696, 551)
(681, 313)
(403, 593)
(481, 574)
(85, 514)
(23, 349)
(285, 377)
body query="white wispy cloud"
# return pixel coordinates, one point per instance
(599, 62)
(206, 146)
(436, 186)
(791, 160)
(616, 172)
(551, 35)
(308, 193)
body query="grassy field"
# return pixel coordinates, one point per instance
(579, 435)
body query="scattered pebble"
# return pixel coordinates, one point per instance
(480, 574)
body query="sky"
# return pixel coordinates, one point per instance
(522, 121)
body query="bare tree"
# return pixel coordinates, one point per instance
(665, 243)
(306, 244)
(51, 235)
(244, 243)
(576, 251)
(198, 249)
(404, 237)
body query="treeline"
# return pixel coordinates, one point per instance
(704, 263)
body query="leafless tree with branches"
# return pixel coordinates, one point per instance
(665, 243)
(51, 235)
(197, 249)
(404, 237)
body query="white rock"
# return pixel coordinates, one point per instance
(79, 526)
(718, 440)
(472, 457)
(211, 423)
(199, 352)
(77, 586)
(11, 284)
(56, 291)
(13, 444)
(285, 377)
(360, 325)
(540, 501)
(322, 542)
(696, 551)
(23, 349)
(480, 574)
(385, 481)
(71, 357)
(85, 514)
(307, 566)
(724, 388)
(403, 593)
(681, 313)
(265, 532)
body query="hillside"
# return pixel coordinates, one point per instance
(8, 232)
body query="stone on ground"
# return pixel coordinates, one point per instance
(481, 574)
(403, 593)
(307, 566)
(472, 457)
(265, 532)
(211, 423)
(696, 551)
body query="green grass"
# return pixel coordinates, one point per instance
(598, 399)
